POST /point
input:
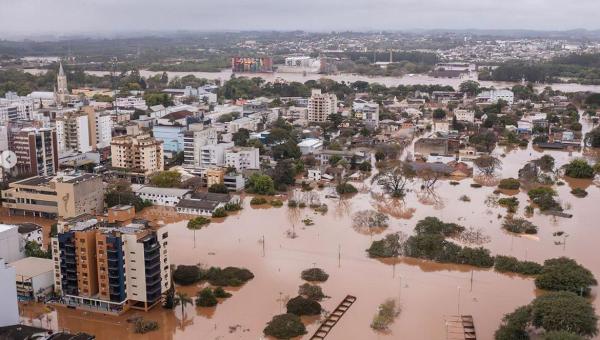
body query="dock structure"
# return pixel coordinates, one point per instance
(460, 327)
(333, 318)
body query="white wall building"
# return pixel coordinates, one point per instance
(464, 115)
(12, 246)
(242, 158)
(310, 146)
(9, 313)
(103, 130)
(213, 154)
(193, 141)
(159, 196)
(494, 96)
(321, 105)
(34, 277)
(131, 102)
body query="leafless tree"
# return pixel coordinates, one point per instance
(394, 179)
(488, 165)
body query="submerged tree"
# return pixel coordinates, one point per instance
(394, 179)
(488, 165)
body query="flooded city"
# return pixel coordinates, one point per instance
(427, 291)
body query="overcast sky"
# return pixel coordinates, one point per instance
(41, 17)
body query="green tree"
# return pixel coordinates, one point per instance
(470, 87)
(206, 298)
(261, 184)
(564, 274)
(182, 299)
(285, 326)
(303, 306)
(218, 188)
(579, 168)
(564, 311)
(166, 179)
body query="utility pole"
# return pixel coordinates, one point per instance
(471, 280)
(458, 302)
(339, 255)
(263, 245)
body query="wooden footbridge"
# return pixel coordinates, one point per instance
(460, 327)
(333, 318)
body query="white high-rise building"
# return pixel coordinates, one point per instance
(242, 158)
(12, 246)
(103, 129)
(193, 141)
(321, 105)
(213, 155)
(73, 132)
(9, 313)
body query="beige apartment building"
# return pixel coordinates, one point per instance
(142, 154)
(321, 105)
(65, 195)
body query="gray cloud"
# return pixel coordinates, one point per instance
(114, 16)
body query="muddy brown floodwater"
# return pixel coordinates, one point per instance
(427, 291)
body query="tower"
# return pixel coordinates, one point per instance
(62, 91)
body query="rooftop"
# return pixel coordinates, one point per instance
(32, 266)
(25, 228)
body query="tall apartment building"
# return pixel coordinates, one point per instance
(14, 107)
(193, 141)
(64, 195)
(84, 131)
(213, 154)
(141, 154)
(321, 105)
(108, 268)
(36, 150)
(242, 158)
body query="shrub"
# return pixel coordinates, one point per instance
(285, 326)
(314, 275)
(514, 325)
(186, 275)
(476, 185)
(311, 292)
(561, 335)
(303, 306)
(142, 326)
(464, 198)
(301, 205)
(219, 212)
(564, 274)
(276, 203)
(519, 226)
(509, 264)
(454, 183)
(389, 246)
(365, 166)
(510, 203)
(233, 206)
(564, 311)
(433, 225)
(544, 198)
(206, 298)
(258, 201)
(220, 293)
(229, 276)
(578, 192)
(385, 316)
(345, 188)
(292, 203)
(509, 184)
(197, 222)
(218, 188)
(579, 168)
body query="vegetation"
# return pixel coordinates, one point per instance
(509, 184)
(389, 246)
(487, 165)
(509, 264)
(166, 179)
(433, 225)
(182, 299)
(544, 198)
(119, 192)
(579, 168)
(33, 249)
(220, 293)
(258, 201)
(564, 311)
(564, 274)
(142, 326)
(198, 222)
(228, 276)
(369, 220)
(314, 275)
(561, 335)
(578, 192)
(285, 326)
(218, 188)
(311, 292)
(395, 179)
(345, 188)
(303, 306)
(233, 206)
(510, 203)
(592, 138)
(261, 184)
(276, 203)
(519, 226)
(219, 212)
(385, 316)
(186, 275)
(206, 298)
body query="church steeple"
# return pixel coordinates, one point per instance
(62, 91)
